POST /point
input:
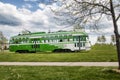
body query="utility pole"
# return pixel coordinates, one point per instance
(79, 43)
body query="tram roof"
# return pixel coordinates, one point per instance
(50, 34)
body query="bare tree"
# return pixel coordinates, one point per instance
(98, 39)
(91, 11)
(101, 39)
(3, 41)
(113, 39)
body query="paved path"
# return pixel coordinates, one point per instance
(59, 63)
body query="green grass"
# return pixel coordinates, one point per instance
(57, 73)
(98, 53)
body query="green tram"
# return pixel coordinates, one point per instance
(64, 41)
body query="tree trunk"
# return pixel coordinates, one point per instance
(115, 31)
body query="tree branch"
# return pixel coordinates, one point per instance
(117, 18)
(117, 6)
(96, 4)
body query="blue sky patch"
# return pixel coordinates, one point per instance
(32, 4)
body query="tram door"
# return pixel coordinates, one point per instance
(36, 45)
(77, 39)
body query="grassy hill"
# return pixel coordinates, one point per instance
(57, 73)
(98, 53)
(103, 47)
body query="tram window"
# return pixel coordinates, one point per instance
(38, 41)
(55, 41)
(44, 41)
(56, 36)
(48, 41)
(83, 44)
(74, 39)
(16, 42)
(61, 40)
(65, 40)
(65, 36)
(84, 38)
(75, 45)
(51, 40)
(79, 45)
(27, 41)
(68, 39)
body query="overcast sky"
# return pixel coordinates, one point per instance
(35, 16)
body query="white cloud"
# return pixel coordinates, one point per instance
(42, 6)
(40, 20)
(28, 6)
(9, 15)
(31, 0)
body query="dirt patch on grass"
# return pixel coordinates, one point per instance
(116, 70)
